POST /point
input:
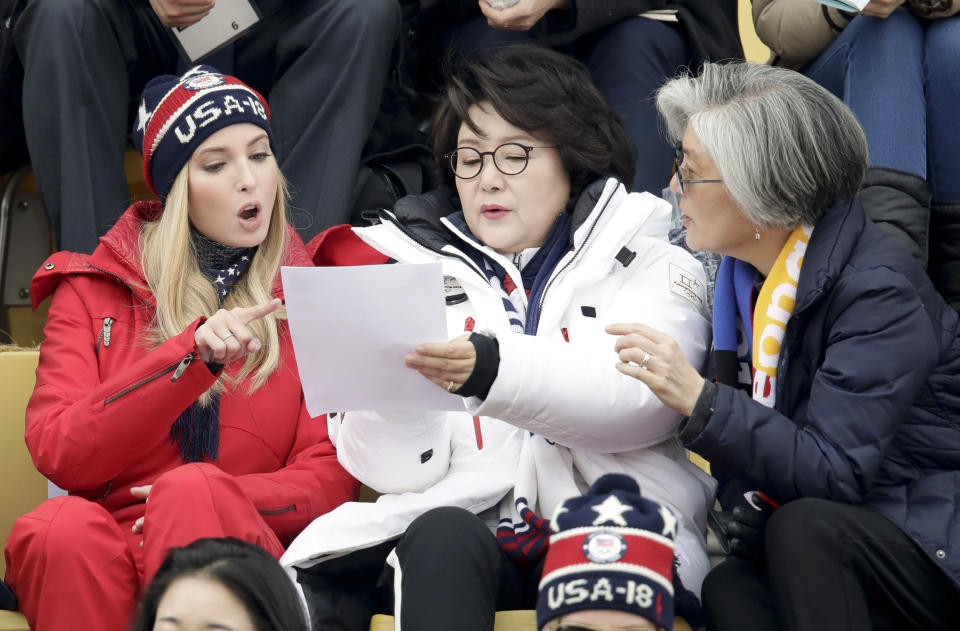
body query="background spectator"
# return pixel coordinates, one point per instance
(221, 584)
(610, 562)
(321, 62)
(895, 67)
(629, 57)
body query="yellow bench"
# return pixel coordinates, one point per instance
(523, 620)
(22, 487)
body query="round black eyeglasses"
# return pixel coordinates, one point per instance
(510, 158)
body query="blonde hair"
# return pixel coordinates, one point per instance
(183, 293)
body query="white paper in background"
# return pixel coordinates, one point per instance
(227, 20)
(846, 5)
(661, 15)
(352, 327)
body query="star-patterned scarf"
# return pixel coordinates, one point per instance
(223, 264)
(196, 432)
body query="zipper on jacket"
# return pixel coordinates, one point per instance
(279, 511)
(125, 283)
(105, 330)
(409, 233)
(186, 361)
(179, 367)
(573, 258)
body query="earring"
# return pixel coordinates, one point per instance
(756, 233)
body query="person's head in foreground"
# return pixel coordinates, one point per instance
(609, 566)
(225, 584)
(218, 243)
(760, 151)
(524, 131)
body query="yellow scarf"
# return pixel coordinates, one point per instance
(772, 311)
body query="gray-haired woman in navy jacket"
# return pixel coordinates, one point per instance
(834, 425)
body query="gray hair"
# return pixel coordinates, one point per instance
(785, 147)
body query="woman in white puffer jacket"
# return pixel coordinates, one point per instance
(546, 248)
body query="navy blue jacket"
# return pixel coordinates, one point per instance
(868, 392)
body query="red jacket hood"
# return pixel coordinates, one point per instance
(118, 256)
(340, 245)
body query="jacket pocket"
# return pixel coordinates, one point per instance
(177, 370)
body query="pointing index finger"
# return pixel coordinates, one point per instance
(249, 314)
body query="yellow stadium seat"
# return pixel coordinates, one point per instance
(753, 48)
(13, 621)
(699, 461)
(22, 487)
(521, 620)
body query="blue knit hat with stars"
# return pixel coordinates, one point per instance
(177, 114)
(610, 548)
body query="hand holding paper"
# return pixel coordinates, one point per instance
(447, 364)
(352, 329)
(881, 8)
(875, 8)
(200, 27)
(520, 15)
(181, 13)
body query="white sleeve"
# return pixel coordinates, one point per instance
(395, 452)
(573, 394)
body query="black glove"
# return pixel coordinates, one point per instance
(740, 531)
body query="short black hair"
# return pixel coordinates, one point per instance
(542, 92)
(248, 571)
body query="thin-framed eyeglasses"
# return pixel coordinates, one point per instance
(682, 181)
(510, 158)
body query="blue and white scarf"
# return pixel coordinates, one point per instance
(534, 275)
(524, 542)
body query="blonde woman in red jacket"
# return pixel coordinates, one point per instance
(167, 400)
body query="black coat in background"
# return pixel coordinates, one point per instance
(710, 26)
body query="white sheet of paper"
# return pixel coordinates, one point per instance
(352, 327)
(227, 20)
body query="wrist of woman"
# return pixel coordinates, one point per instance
(693, 425)
(485, 368)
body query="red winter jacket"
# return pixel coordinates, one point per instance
(99, 419)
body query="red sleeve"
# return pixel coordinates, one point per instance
(82, 431)
(311, 483)
(340, 245)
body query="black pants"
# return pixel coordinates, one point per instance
(832, 566)
(321, 63)
(451, 574)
